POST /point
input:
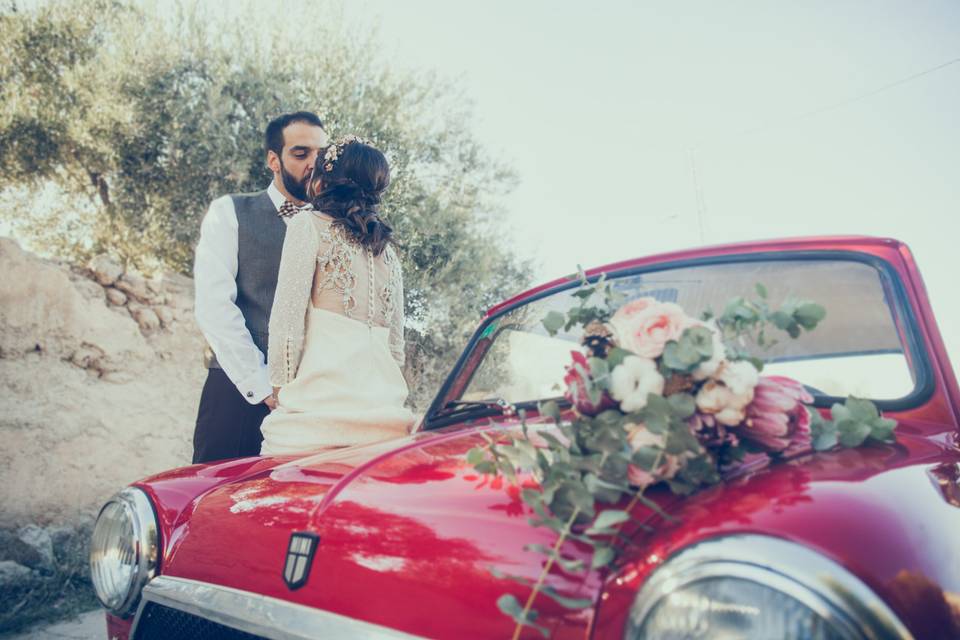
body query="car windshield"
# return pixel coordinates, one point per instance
(856, 349)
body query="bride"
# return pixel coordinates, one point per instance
(336, 328)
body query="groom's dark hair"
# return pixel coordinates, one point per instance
(273, 139)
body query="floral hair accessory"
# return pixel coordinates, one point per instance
(336, 149)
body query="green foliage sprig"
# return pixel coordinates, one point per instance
(584, 468)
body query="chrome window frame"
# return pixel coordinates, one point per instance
(914, 343)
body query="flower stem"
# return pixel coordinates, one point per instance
(543, 574)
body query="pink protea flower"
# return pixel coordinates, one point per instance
(777, 419)
(577, 379)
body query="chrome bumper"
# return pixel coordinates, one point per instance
(256, 614)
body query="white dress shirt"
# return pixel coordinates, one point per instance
(215, 297)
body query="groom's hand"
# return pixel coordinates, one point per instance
(270, 401)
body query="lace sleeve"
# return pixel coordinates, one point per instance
(294, 282)
(397, 347)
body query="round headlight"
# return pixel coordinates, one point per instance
(123, 550)
(753, 586)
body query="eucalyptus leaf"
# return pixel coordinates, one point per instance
(862, 410)
(500, 575)
(647, 457)
(508, 604)
(616, 356)
(610, 518)
(553, 322)
(602, 556)
(852, 434)
(781, 320)
(681, 356)
(486, 467)
(825, 440)
(680, 440)
(550, 409)
(563, 601)
(531, 497)
(808, 315)
(683, 405)
(476, 455)
(883, 429)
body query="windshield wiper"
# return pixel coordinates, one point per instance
(496, 406)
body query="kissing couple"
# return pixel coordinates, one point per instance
(299, 294)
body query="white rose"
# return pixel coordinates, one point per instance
(632, 380)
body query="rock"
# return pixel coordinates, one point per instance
(87, 357)
(105, 270)
(70, 543)
(165, 314)
(13, 549)
(116, 297)
(39, 539)
(145, 317)
(12, 573)
(155, 285)
(118, 377)
(134, 285)
(88, 288)
(71, 437)
(44, 310)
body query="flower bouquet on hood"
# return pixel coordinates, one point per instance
(659, 397)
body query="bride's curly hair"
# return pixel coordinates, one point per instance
(347, 183)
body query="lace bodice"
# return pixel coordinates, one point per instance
(323, 266)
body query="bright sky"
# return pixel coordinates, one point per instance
(598, 108)
(605, 109)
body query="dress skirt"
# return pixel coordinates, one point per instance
(348, 390)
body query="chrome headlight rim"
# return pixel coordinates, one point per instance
(832, 592)
(147, 547)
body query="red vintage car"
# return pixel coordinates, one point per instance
(403, 538)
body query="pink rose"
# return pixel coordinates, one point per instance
(639, 436)
(644, 326)
(777, 419)
(578, 380)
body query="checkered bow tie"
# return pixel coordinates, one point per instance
(288, 209)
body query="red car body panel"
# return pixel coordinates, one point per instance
(409, 532)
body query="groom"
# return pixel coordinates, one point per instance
(235, 276)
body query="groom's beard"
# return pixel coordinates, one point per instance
(296, 189)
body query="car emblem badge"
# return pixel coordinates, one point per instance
(299, 558)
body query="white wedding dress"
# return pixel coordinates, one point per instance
(336, 342)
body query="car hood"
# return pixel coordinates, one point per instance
(407, 528)
(407, 523)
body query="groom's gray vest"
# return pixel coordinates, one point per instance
(260, 233)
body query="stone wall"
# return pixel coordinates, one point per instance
(100, 374)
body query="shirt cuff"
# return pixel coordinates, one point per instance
(256, 387)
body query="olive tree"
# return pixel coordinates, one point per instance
(137, 117)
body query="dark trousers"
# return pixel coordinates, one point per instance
(227, 425)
